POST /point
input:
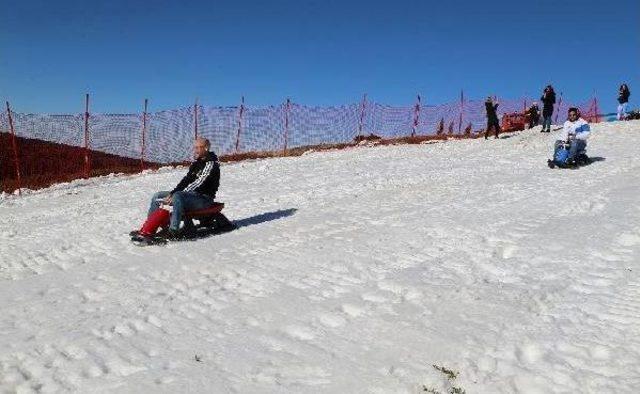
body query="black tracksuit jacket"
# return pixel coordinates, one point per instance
(203, 177)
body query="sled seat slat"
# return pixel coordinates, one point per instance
(212, 210)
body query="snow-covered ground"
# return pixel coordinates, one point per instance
(370, 270)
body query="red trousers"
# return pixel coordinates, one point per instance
(159, 218)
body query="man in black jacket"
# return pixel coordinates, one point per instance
(492, 117)
(197, 190)
(548, 101)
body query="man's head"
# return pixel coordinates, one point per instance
(201, 147)
(573, 114)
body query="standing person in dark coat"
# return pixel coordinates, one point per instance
(623, 100)
(534, 115)
(548, 100)
(492, 117)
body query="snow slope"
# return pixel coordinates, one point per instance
(353, 271)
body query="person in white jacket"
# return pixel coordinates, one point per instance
(575, 131)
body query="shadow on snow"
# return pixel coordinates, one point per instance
(264, 217)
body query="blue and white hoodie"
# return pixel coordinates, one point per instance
(580, 129)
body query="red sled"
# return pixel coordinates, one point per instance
(210, 218)
(198, 223)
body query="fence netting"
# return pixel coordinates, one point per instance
(55, 148)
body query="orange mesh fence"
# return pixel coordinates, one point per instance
(51, 148)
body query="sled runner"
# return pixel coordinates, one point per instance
(196, 224)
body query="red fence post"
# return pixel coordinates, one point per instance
(239, 124)
(87, 161)
(524, 112)
(461, 111)
(416, 117)
(558, 111)
(362, 109)
(286, 125)
(593, 107)
(195, 119)
(144, 131)
(16, 160)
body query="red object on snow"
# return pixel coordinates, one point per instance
(159, 218)
(514, 121)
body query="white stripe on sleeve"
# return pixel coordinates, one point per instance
(203, 175)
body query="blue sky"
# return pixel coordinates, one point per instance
(323, 52)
